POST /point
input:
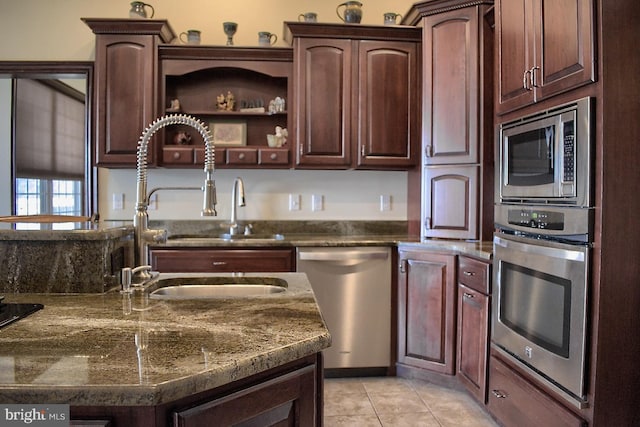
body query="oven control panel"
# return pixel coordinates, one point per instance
(533, 218)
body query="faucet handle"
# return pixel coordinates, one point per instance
(126, 276)
(248, 230)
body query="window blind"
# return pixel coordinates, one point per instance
(49, 131)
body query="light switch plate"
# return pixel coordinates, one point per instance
(317, 202)
(118, 201)
(294, 202)
(385, 202)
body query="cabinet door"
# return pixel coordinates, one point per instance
(323, 82)
(473, 335)
(125, 90)
(514, 22)
(387, 104)
(450, 202)
(545, 47)
(564, 40)
(451, 87)
(289, 400)
(426, 311)
(198, 260)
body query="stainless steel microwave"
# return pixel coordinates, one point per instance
(547, 157)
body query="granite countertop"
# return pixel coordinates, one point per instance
(115, 349)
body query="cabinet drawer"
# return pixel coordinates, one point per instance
(220, 155)
(475, 274)
(515, 401)
(273, 156)
(242, 156)
(177, 155)
(198, 260)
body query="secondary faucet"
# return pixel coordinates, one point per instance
(142, 234)
(237, 199)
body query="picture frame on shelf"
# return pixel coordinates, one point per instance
(229, 133)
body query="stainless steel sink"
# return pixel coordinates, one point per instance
(177, 288)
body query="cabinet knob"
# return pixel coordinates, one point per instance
(273, 156)
(176, 155)
(241, 156)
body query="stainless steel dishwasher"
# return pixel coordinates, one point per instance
(352, 286)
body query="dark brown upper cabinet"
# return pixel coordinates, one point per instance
(545, 47)
(356, 96)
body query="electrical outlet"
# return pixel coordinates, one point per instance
(317, 202)
(385, 202)
(294, 202)
(153, 202)
(118, 201)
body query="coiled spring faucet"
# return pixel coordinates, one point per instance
(142, 234)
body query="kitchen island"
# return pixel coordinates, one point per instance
(139, 361)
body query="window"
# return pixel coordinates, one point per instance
(49, 148)
(56, 196)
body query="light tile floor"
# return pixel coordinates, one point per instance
(398, 402)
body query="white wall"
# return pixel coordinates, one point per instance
(53, 30)
(348, 195)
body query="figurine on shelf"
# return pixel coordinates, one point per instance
(231, 101)
(226, 103)
(221, 102)
(182, 138)
(174, 105)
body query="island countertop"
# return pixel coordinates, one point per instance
(110, 349)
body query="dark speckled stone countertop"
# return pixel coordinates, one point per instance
(109, 349)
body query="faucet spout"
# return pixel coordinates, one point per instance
(237, 199)
(142, 234)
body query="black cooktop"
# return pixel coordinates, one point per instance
(12, 312)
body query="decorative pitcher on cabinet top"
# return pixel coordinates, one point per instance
(138, 10)
(352, 12)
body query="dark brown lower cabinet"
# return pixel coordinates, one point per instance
(289, 395)
(427, 311)
(474, 290)
(212, 260)
(284, 401)
(515, 401)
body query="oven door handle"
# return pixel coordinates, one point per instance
(539, 248)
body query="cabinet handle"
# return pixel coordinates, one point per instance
(526, 80)
(468, 295)
(428, 151)
(427, 223)
(534, 79)
(403, 266)
(468, 273)
(273, 156)
(363, 151)
(499, 394)
(216, 263)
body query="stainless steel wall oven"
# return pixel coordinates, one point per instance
(542, 246)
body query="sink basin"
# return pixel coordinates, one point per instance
(216, 287)
(228, 237)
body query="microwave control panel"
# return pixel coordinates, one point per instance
(539, 219)
(569, 152)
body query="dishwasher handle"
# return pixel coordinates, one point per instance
(341, 256)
